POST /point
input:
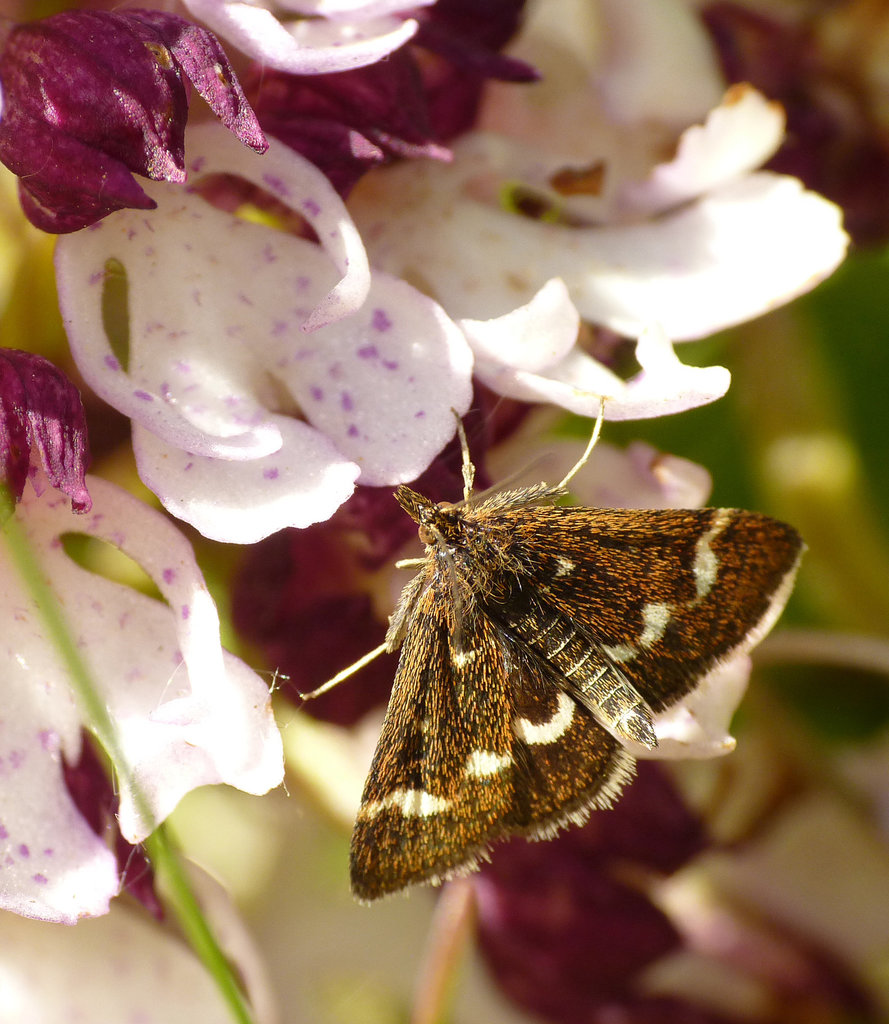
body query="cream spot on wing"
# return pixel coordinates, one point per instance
(620, 653)
(706, 564)
(564, 566)
(547, 732)
(413, 803)
(655, 619)
(463, 658)
(482, 763)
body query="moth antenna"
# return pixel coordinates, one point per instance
(582, 461)
(340, 676)
(468, 468)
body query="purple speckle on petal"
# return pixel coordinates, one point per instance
(311, 207)
(182, 366)
(144, 395)
(316, 393)
(16, 759)
(3, 833)
(40, 879)
(270, 474)
(368, 352)
(186, 612)
(380, 321)
(49, 740)
(111, 363)
(347, 402)
(419, 415)
(390, 364)
(352, 431)
(24, 851)
(187, 466)
(48, 852)
(168, 575)
(275, 184)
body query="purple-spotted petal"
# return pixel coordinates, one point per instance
(41, 412)
(187, 714)
(55, 867)
(335, 38)
(263, 385)
(530, 354)
(241, 501)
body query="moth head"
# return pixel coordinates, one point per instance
(429, 516)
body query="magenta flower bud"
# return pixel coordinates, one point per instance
(91, 98)
(41, 413)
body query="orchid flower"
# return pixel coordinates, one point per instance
(276, 371)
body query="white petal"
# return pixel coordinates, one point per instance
(732, 255)
(52, 865)
(636, 477)
(529, 354)
(237, 502)
(738, 136)
(384, 384)
(658, 62)
(697, 727)
(119, 968)
(532, 337)
(308, 46)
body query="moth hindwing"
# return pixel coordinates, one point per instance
(535, 641)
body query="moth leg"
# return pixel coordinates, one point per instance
(582, 461)
(468, 468)
(346, 672)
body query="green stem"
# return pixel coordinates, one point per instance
(182, 900)
(97, 718)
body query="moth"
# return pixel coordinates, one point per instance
(535, 641)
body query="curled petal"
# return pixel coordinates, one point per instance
(309, 45)
(530, 354)
(738, 136)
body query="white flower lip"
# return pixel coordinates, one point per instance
(276, 371)
(187, 713)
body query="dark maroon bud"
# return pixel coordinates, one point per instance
(91, 98)
(41, 411)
